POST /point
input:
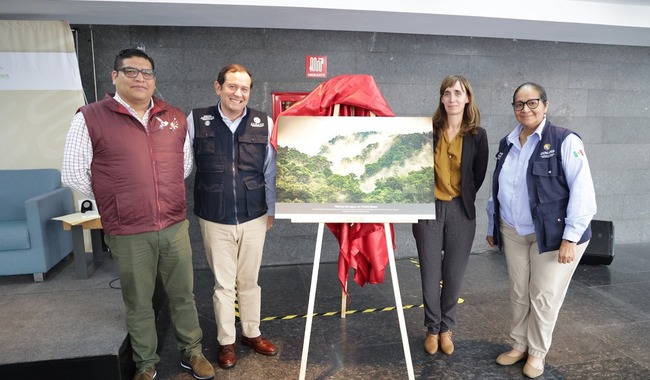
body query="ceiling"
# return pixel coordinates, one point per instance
(616, 22)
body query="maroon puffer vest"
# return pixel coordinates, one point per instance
(137, 176)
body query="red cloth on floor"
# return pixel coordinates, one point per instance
(362, 245)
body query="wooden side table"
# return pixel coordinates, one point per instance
(79, 222)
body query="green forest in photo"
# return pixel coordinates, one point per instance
(390, 171)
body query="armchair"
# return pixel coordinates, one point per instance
(30, 241)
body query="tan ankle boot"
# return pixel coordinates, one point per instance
(431, 343)
(446, 344)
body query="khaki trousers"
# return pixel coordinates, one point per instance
(234, 253)
(538, 285)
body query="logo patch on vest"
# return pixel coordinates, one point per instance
(173, 125)
(257, 122)
(547, 152)
(206, 119)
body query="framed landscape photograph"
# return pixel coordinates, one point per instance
(355, 169)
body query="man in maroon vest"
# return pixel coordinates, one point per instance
(131, 152)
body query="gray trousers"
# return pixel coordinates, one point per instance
(444, 246)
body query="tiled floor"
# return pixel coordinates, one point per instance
(602, 331)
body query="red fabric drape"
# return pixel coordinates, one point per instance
(362, 248)
(362, 245)
(358, 92)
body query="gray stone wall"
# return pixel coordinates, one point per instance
(600, 91)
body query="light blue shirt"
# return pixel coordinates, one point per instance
(514, 204)
(270, 168)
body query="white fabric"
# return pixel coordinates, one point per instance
(39, 71)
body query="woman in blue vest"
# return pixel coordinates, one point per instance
(461, 159)
(539, 214)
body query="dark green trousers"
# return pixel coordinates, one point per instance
(140, 257)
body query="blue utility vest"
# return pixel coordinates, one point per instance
(548, 192)
(229, 183)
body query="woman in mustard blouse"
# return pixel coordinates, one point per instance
(444, 244)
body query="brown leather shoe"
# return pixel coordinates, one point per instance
(431, 343)
(260, 345)
(148, 373)
(227, 358)
(198, 366)
(446, 344)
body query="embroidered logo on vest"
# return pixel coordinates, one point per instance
(173, 125)
(206, 119)
(548, 152)
(257, 122)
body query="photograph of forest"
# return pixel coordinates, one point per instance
(350, 163)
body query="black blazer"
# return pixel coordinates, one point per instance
(474, 162)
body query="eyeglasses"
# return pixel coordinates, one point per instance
(132, 72)
(531, 103)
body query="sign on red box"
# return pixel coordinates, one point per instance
(316, 66)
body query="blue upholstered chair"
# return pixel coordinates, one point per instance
(30, 241)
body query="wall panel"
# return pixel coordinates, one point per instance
(600, 90)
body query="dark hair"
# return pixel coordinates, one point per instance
(471, 114)
(536, 87)
(130, 53)
(233, 68)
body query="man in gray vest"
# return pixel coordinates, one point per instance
(234, 198)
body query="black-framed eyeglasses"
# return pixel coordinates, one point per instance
(531, 103)
(132, 72)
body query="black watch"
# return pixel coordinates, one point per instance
(572, 242)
